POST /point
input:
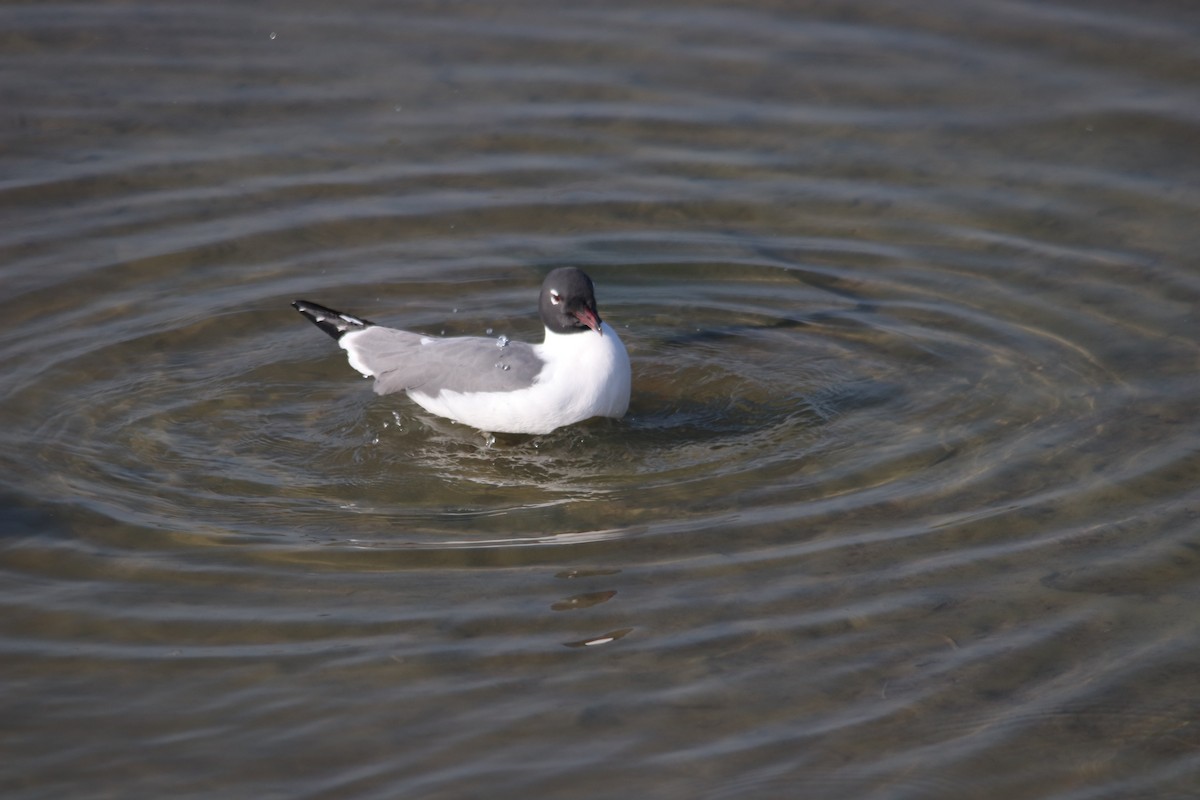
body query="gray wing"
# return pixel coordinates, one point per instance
(402, 361)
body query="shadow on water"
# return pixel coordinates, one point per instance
(19, 519)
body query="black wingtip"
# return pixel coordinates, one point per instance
(334, 323)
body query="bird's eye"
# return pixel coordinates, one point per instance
(554, 298)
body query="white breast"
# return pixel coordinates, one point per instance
(586, 375)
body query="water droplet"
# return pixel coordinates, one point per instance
(272, 35)
(502, 341)
(488, 331)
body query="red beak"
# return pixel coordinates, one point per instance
(589, 318)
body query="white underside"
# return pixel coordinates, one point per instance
(586, 375)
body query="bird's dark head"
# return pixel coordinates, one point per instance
(568, 302)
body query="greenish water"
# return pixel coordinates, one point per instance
(906, 504)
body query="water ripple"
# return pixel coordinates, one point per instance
(906, 496)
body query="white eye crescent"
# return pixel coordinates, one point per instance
(554, 297)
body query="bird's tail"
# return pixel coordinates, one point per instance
(335, 323)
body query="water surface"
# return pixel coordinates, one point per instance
(906, 504)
